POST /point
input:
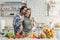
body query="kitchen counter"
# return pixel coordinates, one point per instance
(36, 31)
(5, 38)
(27, 39)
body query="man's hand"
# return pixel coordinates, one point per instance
(21, 20)
(21, 27)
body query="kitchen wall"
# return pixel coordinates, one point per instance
(39, 12)
(39, 9)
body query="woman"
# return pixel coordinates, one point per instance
(28, 24)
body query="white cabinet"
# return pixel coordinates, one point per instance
(9, 0)
(10, 7)
(2, 23)
(53, 7)
(57, 33)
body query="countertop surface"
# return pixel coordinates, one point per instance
(5, 38)
(27, 39)
(38, 32)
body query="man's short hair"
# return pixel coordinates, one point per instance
(22, 8)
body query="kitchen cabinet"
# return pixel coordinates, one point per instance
(2, 23)
(10, 7)
(53, 8)
(9, 0)
(57, 33)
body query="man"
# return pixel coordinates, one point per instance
(17, 22)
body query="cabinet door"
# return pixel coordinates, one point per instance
(58, 34)
(9, 22)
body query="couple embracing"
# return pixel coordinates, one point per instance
(23, 22)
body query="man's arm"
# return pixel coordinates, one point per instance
(16, 21)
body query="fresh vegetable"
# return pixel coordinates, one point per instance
(26, 34)
(35, 35)
(19, 36)
(42, 36)
(48, 36)
(9, 35)
(30, 36)
(49, 33)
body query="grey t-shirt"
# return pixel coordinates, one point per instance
(27, 24)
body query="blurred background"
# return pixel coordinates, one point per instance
(43, 11)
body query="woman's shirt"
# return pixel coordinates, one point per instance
(27, 24)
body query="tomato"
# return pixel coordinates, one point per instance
(20, 36)
(17, 34)
(42, 36)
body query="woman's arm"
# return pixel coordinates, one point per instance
(34, 24)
